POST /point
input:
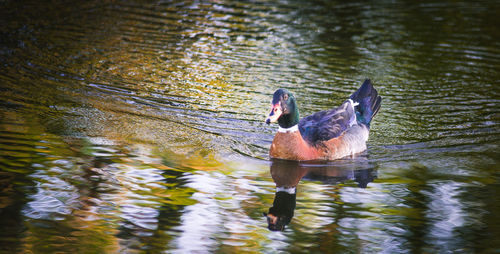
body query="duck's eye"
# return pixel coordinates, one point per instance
(285, 97)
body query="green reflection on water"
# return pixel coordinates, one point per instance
(89, 181)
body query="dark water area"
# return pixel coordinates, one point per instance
(138, 126)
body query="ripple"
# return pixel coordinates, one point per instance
(139, 126)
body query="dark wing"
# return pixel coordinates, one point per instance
(327, 124)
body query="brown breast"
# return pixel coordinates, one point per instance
(291, 146)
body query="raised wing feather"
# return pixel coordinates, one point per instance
(327, 124)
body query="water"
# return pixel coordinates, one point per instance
(139, 127)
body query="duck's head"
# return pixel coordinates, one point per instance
(283, 109)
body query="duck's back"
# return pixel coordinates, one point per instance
(326, 125)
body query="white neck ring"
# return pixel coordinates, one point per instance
(291, 129)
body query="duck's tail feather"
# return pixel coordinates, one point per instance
(369, 102)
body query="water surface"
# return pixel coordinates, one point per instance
(130, 126)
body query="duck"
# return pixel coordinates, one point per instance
(326, 135)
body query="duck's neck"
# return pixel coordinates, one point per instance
(291, 129)
(291, 118)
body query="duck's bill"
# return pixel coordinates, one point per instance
(275, 113)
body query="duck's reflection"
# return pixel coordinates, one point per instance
(287, 174)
